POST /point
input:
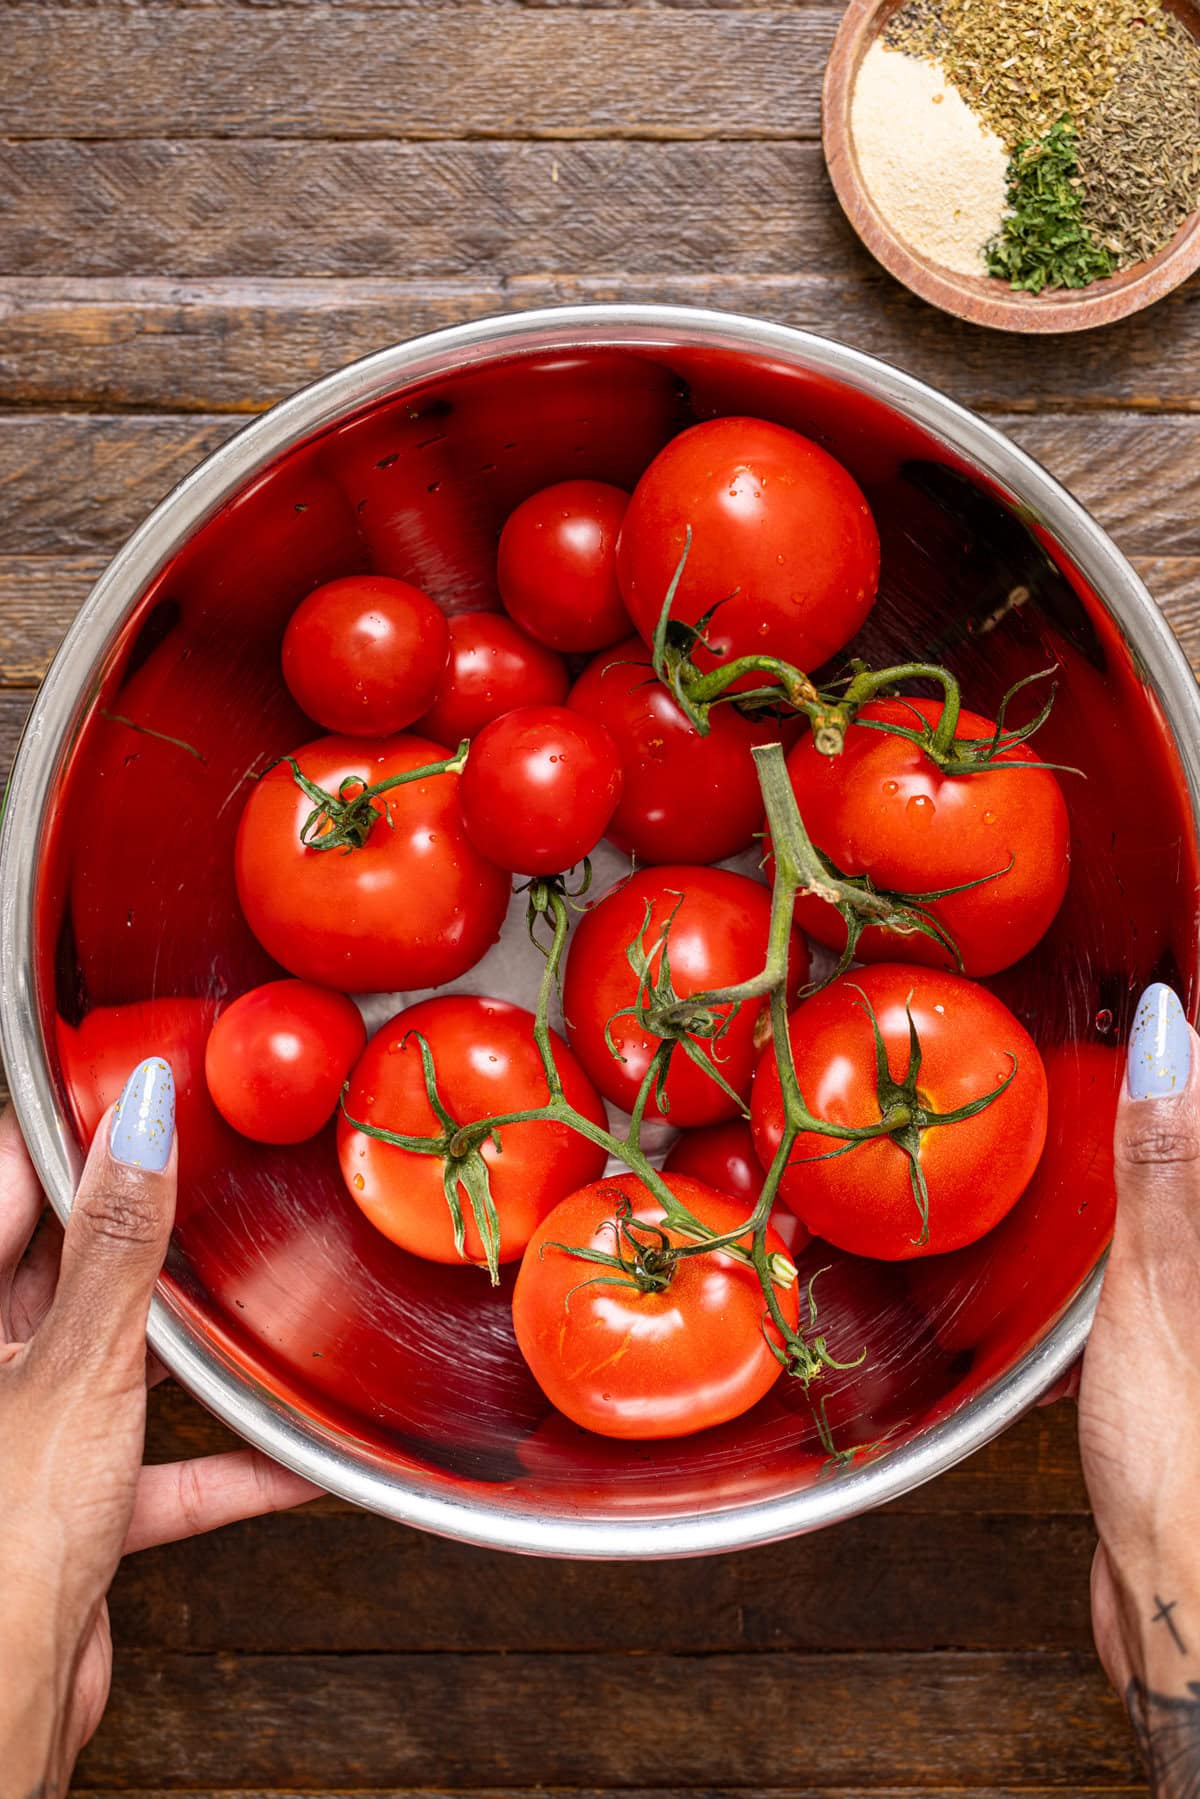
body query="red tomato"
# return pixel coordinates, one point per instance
(975, 1169)
(996, 1297)
(557, 565)
(278, 1056)
(883, 808)
(365, 655)
(722, 1155)
(486, 1063)
(539, 787)
(493, 668)
(102, 1051)
(414, 907)
(686, 798)
(628, 1363)
(718, 936)
(783, 543)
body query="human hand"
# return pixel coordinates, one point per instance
(74, 1495)
(1139, 1402)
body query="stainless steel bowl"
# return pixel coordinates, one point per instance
(306, 1335)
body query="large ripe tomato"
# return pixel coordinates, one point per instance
(277, 1058)
(629, 1363)
(539, 788)
(783, 543)
(686, 798)
(494, 667)
(996, 1297)
(975, 1169)
(365, 655)
(557, 565)
(414, 907)
(718, 936)
(486, 1063)
(884, 809)
(98, 1055)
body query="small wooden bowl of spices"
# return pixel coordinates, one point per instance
(1033, 165)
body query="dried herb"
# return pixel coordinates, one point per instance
(1139, 149)
(1024, 64)
(1044, 241)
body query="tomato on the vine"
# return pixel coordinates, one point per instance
(867, 1199)
(687, 797)
(494, 667)
(416, 905)
(485, 1064)
(557, 565)
(277, 1057)
(885, 809)
(715, 925)
(364, 655)
(629, 1359)
(539, 788)
(783, 544)
(723, 1156)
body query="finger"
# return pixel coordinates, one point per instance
(184, 1499)
(21, 1199)
(117, 1233)
(1157, 1140)
(35, 1279)
(1066, 1387)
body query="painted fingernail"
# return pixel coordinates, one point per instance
(143, 1124)
(1160, 1046)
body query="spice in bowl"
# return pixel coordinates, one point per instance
(1046, 143)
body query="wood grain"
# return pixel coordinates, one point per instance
(111, 342)
(74, 483)
(610, 1720)
(325, 71)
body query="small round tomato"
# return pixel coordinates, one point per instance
(884, 809)
(716, 926)
(723, 1156)
(413, 907)
(365, 655)
(975, 1169)
(486, 1064)
(539, 788)
(277, 1058)
(783, 544)
(493, 668)
(686, 797)
(625, 1362)
(557, 566)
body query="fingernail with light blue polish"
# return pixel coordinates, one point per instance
(1160, 1046)
(143, 1124)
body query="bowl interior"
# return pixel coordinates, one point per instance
(412, 1369)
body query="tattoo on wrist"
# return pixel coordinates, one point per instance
(1163, 1616)
(1167, 1727)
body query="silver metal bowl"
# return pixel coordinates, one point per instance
(395, 1384)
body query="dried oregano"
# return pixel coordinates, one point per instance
(1044, 241)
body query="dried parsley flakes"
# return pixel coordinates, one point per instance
(1044, 241)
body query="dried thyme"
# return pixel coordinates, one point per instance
(1043, 241)
(1139, 150)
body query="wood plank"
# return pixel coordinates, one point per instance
(73, 484)
(478, 210)
(545, 1792)
(110, 342)
(334, 71)
(306, 1583)
(611, 1720)
(40, 595)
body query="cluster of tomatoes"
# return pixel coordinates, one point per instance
(646, 683)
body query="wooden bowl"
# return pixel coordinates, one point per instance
(983, 299)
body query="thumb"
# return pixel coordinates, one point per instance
(1157, 1140)
(120, 1224)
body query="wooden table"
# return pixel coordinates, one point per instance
(206, 205)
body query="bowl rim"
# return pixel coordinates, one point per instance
(976, 298)
(493, 1519)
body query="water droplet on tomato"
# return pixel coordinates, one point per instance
(989, 818)
(1104, 1020)
(359, 1182)
(890, 787)
(920, 809)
